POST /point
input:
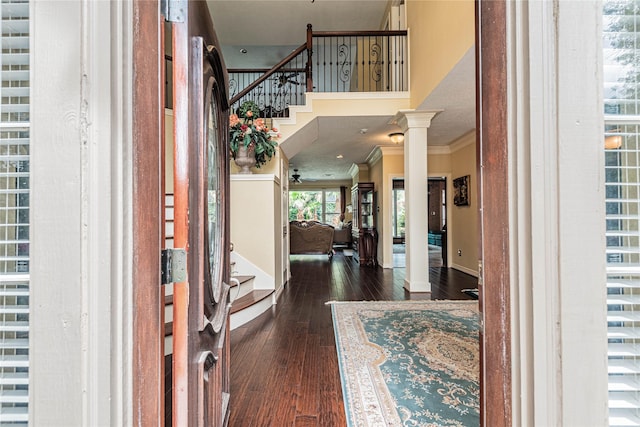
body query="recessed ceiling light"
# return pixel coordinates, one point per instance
(339, 156)
(243, 50)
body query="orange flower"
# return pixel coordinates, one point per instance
(233, 120)
(249, 113)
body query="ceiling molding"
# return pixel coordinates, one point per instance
(354, 170)
(392, 151)
(438, 149)
(374, 157)
(464, 141)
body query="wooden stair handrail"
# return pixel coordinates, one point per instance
(308, 46)
(367, 33)
(268, 74)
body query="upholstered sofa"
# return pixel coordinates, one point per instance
(310, 237)
(342, 234)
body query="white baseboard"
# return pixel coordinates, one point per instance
(474, 273)
(243, 266)
(279, 292)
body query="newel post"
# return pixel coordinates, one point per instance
(309, 67)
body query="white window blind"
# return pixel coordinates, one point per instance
(14, 213)
(621, 57)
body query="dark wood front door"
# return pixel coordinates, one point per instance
(200, 392)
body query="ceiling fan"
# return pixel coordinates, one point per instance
(285, 78)
(295, 178)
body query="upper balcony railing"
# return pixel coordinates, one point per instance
(329, 61)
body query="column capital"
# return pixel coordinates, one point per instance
(408, 119)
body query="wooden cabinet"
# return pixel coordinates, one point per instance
(365, 235)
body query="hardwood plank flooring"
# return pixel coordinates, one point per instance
(284, 367)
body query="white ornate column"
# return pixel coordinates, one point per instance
(414, 124)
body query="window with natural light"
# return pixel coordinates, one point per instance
(14, 214)
(315, 205)
(621, 54)
(398, 209)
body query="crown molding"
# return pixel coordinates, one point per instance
(392, 151)
(464, 141)
(438, 149)
(374, 156)
(354, 170)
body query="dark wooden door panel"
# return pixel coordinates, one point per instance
(201, 304)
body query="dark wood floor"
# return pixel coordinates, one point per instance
(284, 367)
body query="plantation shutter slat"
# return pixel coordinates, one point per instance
(14, 212)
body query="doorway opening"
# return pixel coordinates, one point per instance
(437, 221)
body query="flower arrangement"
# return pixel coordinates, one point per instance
(247, 130)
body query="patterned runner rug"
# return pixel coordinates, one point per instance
(408, 363)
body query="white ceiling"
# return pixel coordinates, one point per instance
(270, 30)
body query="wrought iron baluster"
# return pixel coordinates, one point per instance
(343, 62)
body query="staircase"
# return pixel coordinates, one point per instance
(328, 62)
(252, 291)
(247, 301)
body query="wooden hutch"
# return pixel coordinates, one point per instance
(365, 235)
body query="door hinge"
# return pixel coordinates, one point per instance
(174, 266)
(174, 10)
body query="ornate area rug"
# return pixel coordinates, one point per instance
(409, 363)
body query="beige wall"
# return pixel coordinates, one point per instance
(363, 174)
(253, 227)
(437, 29)
(439, 163)
(271, 167)
(392, 167)
(464, 230)
(376, 176)
(461, 221)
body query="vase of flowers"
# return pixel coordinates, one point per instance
(251, 141)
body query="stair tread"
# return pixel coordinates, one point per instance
(242, 279)
(250, 299)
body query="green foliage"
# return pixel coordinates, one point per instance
(305, 205)
(250, 131)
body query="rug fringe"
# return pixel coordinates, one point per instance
(332, 302)
(347, 302)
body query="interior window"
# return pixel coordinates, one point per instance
(315, 205)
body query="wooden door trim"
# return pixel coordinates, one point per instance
(148, 330)
(492, 161)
